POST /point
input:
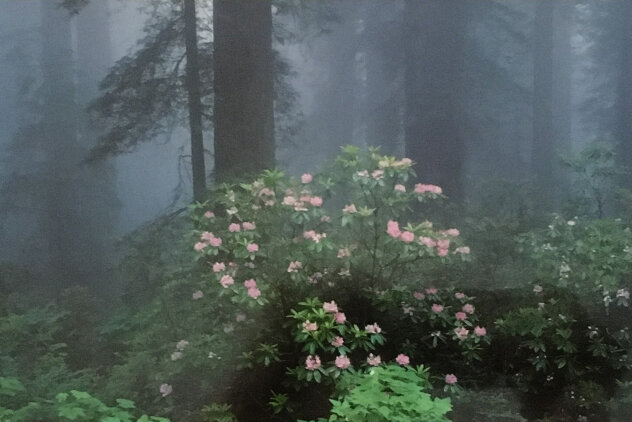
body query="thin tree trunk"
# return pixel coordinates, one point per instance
(434, 73)
(543, 142)
(243, 87)
(195, 103)
(624, 94)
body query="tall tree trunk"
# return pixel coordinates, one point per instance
(543, 137)
(195, 103)
(623, 130)
(96, 182)
(58, 140)
(383, 98)
(243, 87)
(435, 30)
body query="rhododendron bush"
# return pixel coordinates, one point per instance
(310, 258)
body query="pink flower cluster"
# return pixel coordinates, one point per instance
(252, 247)
(313, 236)
(373, 328)
(337, 341)
(310, 326)
(342, 362)
(450, 379)
(197, 295)
(300, 203)
(226, 281)
(468, 308)
(165, 389)
(349, 209)
(206, 239)
(421, 188)
(253, 291)
(373, 360)
(461, 332)
(330, 307)
(294, 266)
(312, 363)
(402, 359)
(436, 308)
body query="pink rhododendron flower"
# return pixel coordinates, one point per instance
(342, 362)
(462, 250)
(305, 198)
(377, 174)
(450, 379)
(316, 201)
(461, 332)
(340, 317)
(442, 252)
(373, 360)
(419, 295)
(206, 236)
(373, 328)
(461, 316)
(363, 173)
(349, 209)
(294, 266)
(468, 308)
(443, 243)
(209, 214)
(308, 234)
(431, 291)
(480, 331)
(254, 292)
(312, 363)
(392, 228)
(421, 188)
(330, 307)
(404, 162)
(343, 253)
(199, 246)
(252, 247)
(289, 200)
(269, 203)
(176, 355)
(337, 341)
(266, 192)
(234, 227)
(400, 188)
(165, 389)
(428, 242)
(310, 326)
(197, 295)
(452, 232)
(250, 283)
(407, 236)
(402, 359)
(246, 225)
(226, 281)
(182, 344)
(459, 295)
(219, 266)
(306, 178)
(216, 242)
(436, 308)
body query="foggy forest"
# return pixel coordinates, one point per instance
(315, 210)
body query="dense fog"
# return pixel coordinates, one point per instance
(117, 115)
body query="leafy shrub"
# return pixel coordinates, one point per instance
(388, 393)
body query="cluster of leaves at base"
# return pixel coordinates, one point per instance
(72, 406)
(388, 393)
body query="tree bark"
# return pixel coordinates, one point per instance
(542, 154)
(243, 87)
(194, 101)
(435, 30)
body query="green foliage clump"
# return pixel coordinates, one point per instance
(388, 393)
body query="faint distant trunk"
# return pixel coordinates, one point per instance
(542, 155)
(562, 92)
(96, 183)
(195, 103)
(58, 143)
(243, 87)
(435, 34)
(623, 128)
(383, 98)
